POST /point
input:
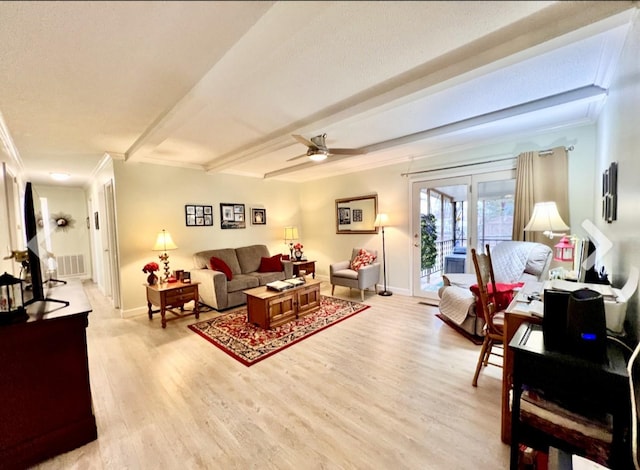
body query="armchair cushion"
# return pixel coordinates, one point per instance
(219, 265)
(364, 258)
(270, 265)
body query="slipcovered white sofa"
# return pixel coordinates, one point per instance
(219, 292)
(513, 261)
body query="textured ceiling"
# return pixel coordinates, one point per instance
(221, 86)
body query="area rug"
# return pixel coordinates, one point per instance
(474, 339)
(249, 343)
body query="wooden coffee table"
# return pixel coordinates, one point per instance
(269, 308)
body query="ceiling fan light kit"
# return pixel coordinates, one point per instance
(317, 149)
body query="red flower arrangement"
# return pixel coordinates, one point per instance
(298, 246)
(150, 267)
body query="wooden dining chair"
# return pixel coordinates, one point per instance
(486, 306)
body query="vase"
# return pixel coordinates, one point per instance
(152, 279)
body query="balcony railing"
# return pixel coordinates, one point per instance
(445, 248)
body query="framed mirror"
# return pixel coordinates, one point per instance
(356, 214)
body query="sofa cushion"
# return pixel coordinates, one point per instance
(264, 278)
(364, 258)
(249, 257)
(219, 265)
(270, 265)
(228, 255)
(242, 282)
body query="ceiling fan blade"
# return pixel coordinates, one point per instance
(295, 158)
(302, 140)
(346, 152)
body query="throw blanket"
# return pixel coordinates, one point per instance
(456, 303)
(509, 260)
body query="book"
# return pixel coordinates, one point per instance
(286, 284)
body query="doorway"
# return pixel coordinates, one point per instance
(452, 215)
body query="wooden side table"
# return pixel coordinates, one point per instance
(170, 296)
(309, 267)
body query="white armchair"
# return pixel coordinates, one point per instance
(341, 274)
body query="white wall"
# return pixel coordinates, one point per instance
(150, 198)
(618, 140)
(75, 239)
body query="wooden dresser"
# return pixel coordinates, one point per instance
(45, 394)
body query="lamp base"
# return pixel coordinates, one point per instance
(385, 293)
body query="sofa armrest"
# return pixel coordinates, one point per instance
(287, 266)
(368, 275)
(212, 288)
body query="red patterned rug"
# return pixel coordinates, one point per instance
(250, 344)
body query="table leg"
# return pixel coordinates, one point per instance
(149, 311)
(164, 320)
(196, 307)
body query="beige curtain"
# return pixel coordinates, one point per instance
(540, 178)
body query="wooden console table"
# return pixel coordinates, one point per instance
(45, 395)
(268, 308)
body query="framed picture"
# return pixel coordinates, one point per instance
(232, 215)
(610, 193)
(357, 215)
(198, 215)
(258, 216)
(344, 215)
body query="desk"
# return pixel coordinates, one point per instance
(595, 386)
(513, 318)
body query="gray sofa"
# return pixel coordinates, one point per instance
(219, 293)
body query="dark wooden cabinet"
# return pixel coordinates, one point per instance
(45, 393)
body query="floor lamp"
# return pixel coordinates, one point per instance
(381, 220)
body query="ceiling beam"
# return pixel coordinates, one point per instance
(585, 94)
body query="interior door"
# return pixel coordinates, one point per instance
(467, 212)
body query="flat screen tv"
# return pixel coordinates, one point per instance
(31, 206)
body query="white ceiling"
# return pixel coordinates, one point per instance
(221, 86)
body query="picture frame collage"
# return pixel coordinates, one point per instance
(232, 215)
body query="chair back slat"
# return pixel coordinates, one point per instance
(485, 276)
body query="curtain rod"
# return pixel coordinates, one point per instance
(542, 153)
(463, 165)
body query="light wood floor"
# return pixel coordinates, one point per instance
(389, 388)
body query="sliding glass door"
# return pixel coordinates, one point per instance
(451, 215)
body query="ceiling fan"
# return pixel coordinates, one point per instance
(317, 149)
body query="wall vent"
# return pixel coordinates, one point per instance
(70, 265)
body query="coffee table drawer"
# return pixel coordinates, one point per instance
(281, 310)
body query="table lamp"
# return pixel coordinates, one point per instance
(546, 219)
(290, 234)
(164, 242)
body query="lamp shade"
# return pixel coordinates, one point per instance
(381, 220)
(164, 242)
(545, 218)
(290, 233)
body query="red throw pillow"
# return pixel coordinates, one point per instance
(363, 258)
(271, 265)
(285, 257)
(504, 294)
(218, 265)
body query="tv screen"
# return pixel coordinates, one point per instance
(31, 201)
(34, 219)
